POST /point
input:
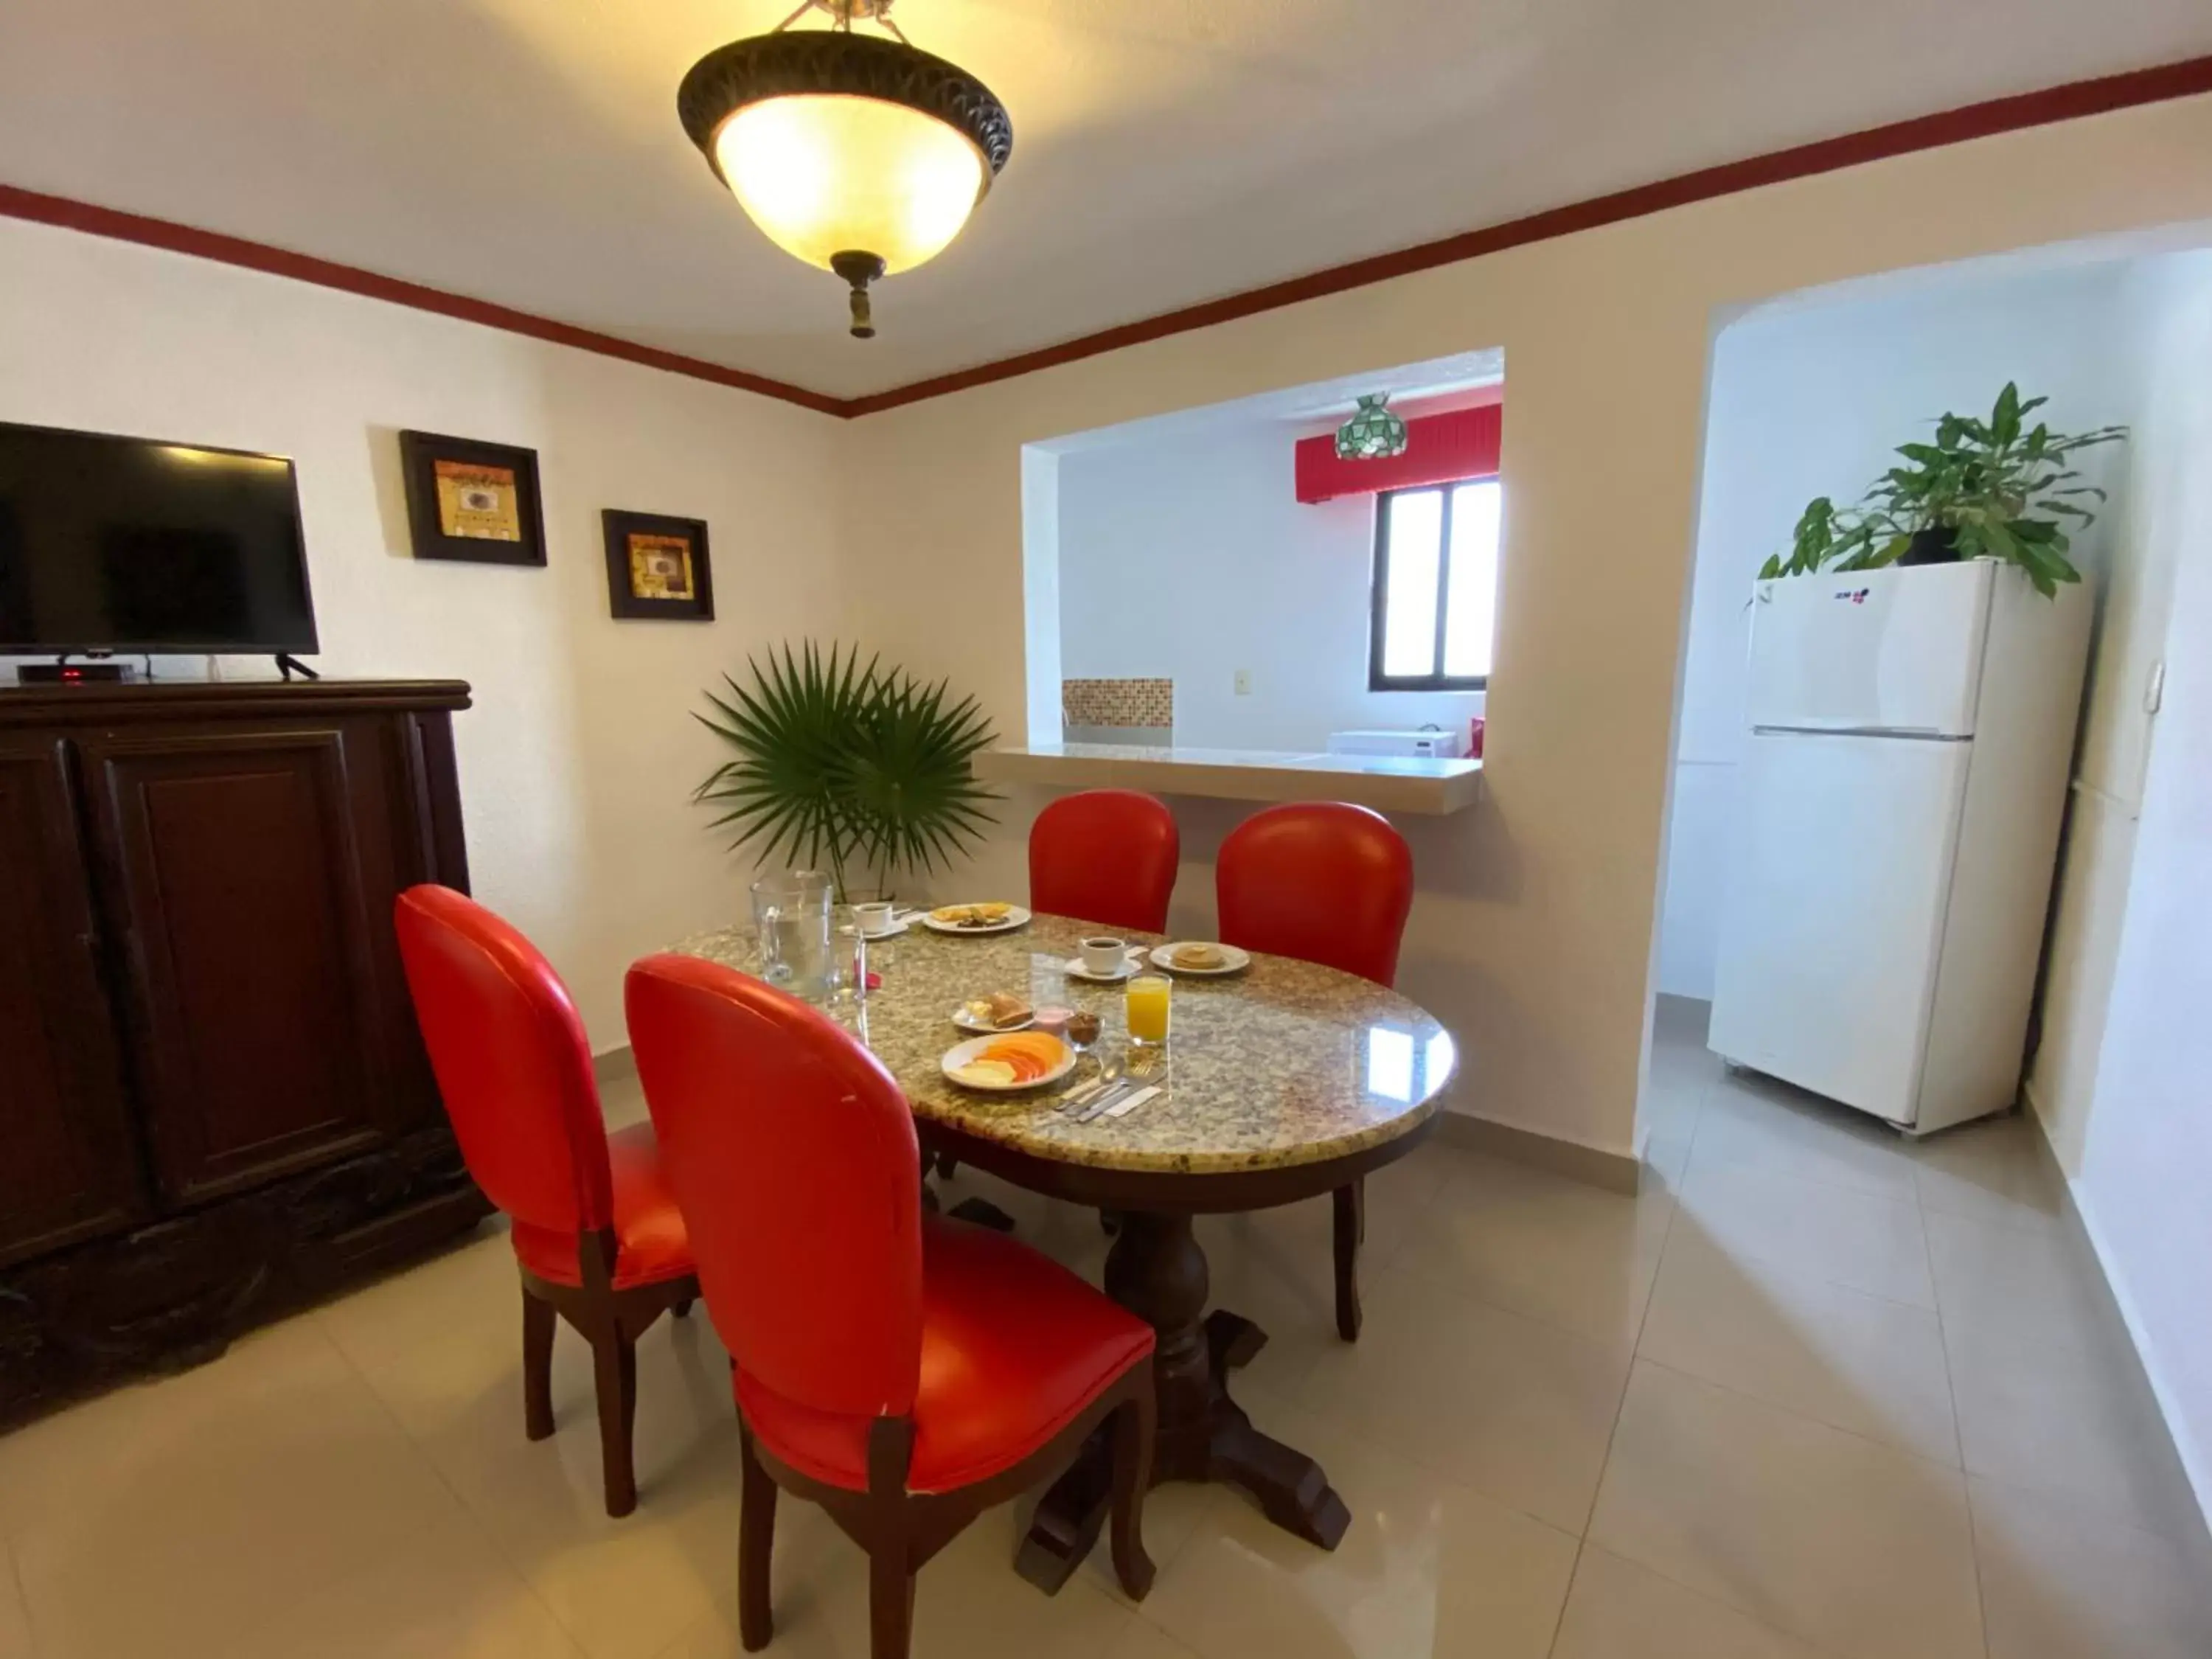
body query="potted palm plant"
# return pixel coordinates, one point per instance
(863, 768)
(1985, 488)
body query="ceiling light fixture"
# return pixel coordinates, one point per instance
(1373, 433)
(859, 153)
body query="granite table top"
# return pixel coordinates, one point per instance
(1287, 1063)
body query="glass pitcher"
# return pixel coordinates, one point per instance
(792, 912)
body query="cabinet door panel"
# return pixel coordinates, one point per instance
(69, 1169)
(234, 859)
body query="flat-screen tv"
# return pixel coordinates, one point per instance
(111, 543)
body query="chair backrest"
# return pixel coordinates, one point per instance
(512, 1060)
(793, 1156)
(1322, 881)
(1105, 856)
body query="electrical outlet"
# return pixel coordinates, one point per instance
(1243, 682)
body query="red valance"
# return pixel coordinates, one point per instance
(1439, 449)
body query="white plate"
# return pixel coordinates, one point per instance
(1234, 961)
(960, 1019)
(1073, 969)
(891, 931)
(1016, 917)
(960, 1053)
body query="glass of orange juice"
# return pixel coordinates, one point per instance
(1148, 1010)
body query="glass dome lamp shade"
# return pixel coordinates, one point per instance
(1373, 433)
(858, 154)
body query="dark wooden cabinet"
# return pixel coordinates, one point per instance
(69, 1170)
(213, 1098)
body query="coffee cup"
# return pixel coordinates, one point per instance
(1104, 957)
(874, 917)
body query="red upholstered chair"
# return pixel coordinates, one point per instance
(1106, 855)
(595, 1226)
(903, 1371)
(1325, 882)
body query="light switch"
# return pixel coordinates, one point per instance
(1243, 682)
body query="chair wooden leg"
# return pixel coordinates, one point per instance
(756, 1546)
(890, 1602)
(614, 1363)
(537, 1321)
(1351, 1219)
(1134, 1426)
(889, 1530)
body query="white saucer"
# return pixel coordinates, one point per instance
(1234, 961)
(960, 1019)
(1073, 969)
(891, 931)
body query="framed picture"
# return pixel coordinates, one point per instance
(472, 500)
(657, 567)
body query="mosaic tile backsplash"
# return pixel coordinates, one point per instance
(1116, 703)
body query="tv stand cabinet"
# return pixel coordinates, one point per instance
(214, 1102)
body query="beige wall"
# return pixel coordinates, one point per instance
(578, 759)
(1533, 935)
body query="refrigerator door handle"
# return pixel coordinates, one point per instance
(1907, 733)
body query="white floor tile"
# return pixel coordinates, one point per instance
(967, 1604)
(623, 1589)
(443, 1591)
(1755, 1124)
(1145, 1640)
(475, 1287)
(146, 1521)
(2059, 1584)
(2075, 1424)
(1536, 1243)
(15, 1622)
(1809, 1292)
(2026, 1286)
(1852, 1237)
(1993, 1172)
(1427, 1567)
(1795, 1339)
(1617, 1610)
(1842, 1543)
(1516, 1409)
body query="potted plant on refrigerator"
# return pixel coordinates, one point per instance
(862, 767)
(1984, 489)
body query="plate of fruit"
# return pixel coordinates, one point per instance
(1007, 1064)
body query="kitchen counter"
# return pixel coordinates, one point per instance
(1388, 783)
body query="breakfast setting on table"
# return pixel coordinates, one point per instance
(1152, 1078)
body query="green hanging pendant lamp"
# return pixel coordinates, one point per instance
(1373, 433)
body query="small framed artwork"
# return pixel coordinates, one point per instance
(657, 567)
(467, 500)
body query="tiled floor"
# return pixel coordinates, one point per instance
(1821, 1391)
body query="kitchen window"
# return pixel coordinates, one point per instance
(1436, 587)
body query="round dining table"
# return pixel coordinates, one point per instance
(1285, 1082)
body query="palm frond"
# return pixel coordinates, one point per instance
(847, 762)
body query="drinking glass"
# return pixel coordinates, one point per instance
(848, 954)
(793, 914)
(1148, 1005)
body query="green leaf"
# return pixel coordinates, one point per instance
(845, 761)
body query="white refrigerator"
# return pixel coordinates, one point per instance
(1901, 790)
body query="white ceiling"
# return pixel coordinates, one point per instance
(1165, 151)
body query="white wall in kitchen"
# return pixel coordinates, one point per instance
(1185, 553)
(1808, 397)
(2138, 1145)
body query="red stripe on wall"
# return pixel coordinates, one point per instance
(1439, 449)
